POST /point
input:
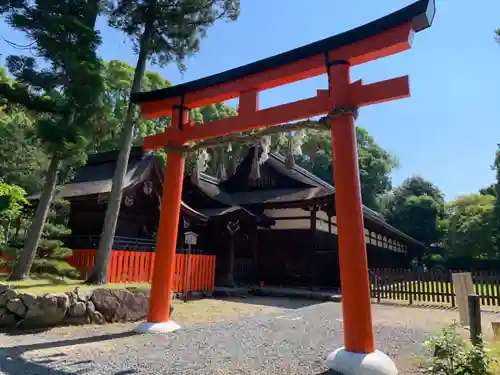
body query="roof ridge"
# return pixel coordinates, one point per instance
(281, 158)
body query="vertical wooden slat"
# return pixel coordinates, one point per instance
(432, 286)
(143, 267)
(177, 272)
(403, 287)
(130, 266)
(110, 268)
(486, 278)
(137, 266)
(203, 272)
(140, 276)
(491, 299)
(388, 283)
(411, 287)
(480, 286)
(133, 266)
(147, 268)
(416, 286)
(397, 284)
(125, 267)
(214, 262)
(119, 266)
(497, 289)
(440, 284)
(181, 272)
(151, 266)
(195, 272)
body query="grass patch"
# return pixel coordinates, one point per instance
(494, 352)
(42, 284)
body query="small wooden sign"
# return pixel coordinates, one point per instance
(190, 238)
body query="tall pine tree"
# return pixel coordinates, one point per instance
(62, 83)
(163, 31)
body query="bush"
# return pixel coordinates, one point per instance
(452, 355)
(55, 267)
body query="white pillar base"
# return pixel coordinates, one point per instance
(147, 327)
(349, 363)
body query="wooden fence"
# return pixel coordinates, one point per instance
(137, 267)
(430, 286)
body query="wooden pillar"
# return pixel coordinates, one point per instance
(356, 303)
(163, 272)
(255, 248)
(230, 260)
(312, 249)
(232, 227)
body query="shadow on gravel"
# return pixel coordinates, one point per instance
(279, 302)
(13, 363)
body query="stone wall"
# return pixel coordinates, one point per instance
(82, 306)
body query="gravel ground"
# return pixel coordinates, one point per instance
(288, 341)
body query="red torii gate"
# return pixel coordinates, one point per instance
(335, 55)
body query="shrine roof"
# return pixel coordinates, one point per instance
(420, 14)
(96, 177)
(313, 191)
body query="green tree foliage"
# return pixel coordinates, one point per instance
(23, 161)
(496, 208)
(12, 202)
(416, 208)
(65, 93)
(488, 190)
(118, 77)
(375, 164)
(163, 31)
(470, 227)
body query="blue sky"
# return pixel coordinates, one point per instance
(447, 131)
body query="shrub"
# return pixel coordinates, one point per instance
(452, 355)
(55, 267)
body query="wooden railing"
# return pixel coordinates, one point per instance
(430, 286)
(137, 267)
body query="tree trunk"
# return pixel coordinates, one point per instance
(103, 254)
(18, 227)
(25, 261)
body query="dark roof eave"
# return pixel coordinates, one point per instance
(420, 14)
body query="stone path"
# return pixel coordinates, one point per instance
(285, 341)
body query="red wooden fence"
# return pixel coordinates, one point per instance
(201, 272)
(137, 267)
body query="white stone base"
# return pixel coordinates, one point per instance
(147, 327)
(349, 363)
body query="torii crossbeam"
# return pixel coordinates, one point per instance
(335, 55)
